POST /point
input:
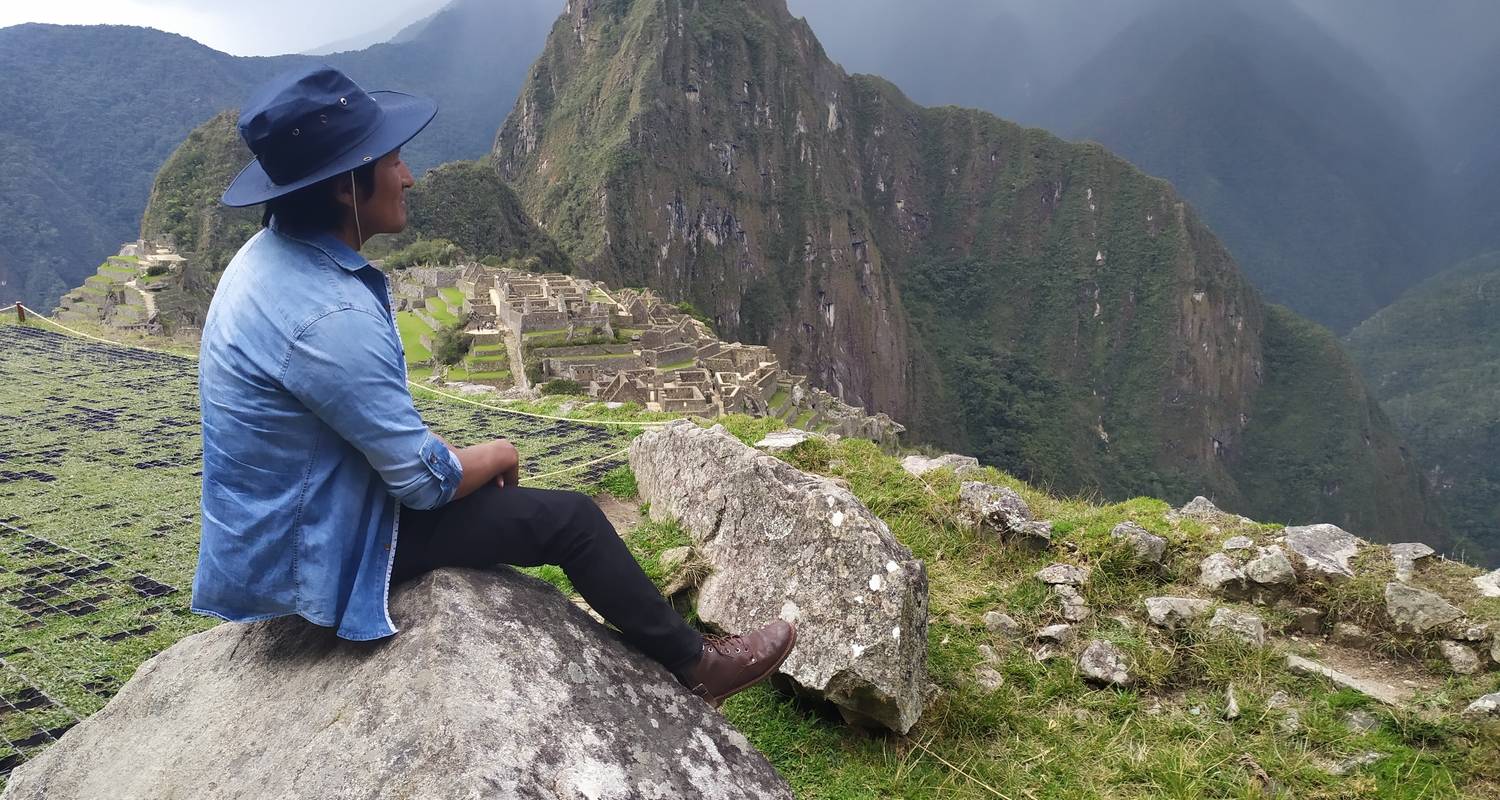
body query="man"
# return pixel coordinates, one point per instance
(321, 484)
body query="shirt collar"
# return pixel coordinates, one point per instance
(331, 246)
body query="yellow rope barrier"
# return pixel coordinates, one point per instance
(413, 384)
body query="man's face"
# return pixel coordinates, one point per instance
(385, 210)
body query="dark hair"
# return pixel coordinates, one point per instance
(316, 207)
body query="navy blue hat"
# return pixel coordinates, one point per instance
(314, 123)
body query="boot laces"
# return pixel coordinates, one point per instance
(728, 645)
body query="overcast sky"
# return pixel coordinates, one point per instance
(264, 27)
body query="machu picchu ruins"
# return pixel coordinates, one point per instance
(122, 294)
(527, 330)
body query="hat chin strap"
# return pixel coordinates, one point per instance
(354, 190)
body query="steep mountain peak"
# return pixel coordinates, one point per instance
(1040, 304)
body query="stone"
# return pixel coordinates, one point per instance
(988, 654)
(1231, 703)
(1271, 569)
(683, 569)
(1488, 584)
(1221, 575)
(1063, 574)
(776, 441)
(1486, 706)
(1000, 512)
(1406, 555)
(1361, 721)
(1322, 551)
(1103, 662)
(1001, 624)
(780, 543)
(1348, 634)
(1201, 508)
(1173, 612)
(1148, 547)
(1246, 627)
(1376, 690)
(1074, 607)
(988, 679)
(1495, 649)
(1460, 657)
(1416, 610)
(1055, 634)
(1308, 620)
(1238, 543)
(495, 686)
(918, 466)
(1473, 633)
(1345, 766)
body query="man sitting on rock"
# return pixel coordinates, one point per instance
(311, 444)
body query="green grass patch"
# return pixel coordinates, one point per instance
(412, 329)
(440, 311)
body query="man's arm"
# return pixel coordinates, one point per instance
(486, 462)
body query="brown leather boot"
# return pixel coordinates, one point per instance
(732, 664)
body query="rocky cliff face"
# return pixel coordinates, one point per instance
(1043, 305)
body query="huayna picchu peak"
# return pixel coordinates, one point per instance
(1043, 305)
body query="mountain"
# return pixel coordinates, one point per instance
(87, 115)
(1043, 305)
(1472, 168)
(1433, 360)
(1288, 143)
(462, 201)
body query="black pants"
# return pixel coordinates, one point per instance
(530, 527)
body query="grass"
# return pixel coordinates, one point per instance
(412, 330)
(1044, 733)
(688, 364)
(440, 311)
(452, 297)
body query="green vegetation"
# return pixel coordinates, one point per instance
(425, 253)
(562, 386)
(1433, 360)
(451, 344)
(466, 202)
(412, 330)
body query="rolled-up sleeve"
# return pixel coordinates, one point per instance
(346, 368)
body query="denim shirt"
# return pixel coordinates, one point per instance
(310, 439)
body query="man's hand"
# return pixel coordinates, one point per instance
(510, 464)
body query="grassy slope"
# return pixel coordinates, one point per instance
(1047, 733)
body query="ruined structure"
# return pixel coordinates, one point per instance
(122, 293)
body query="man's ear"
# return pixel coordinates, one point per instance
(343, 190)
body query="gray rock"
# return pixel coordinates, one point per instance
(1102, 662)
(672, 558)
(1148, 547)
(1322, 551)
(1361, 721)
(1063, 574)
(1000, 512)
(1231, 703)
(1238, 543)
(1055, 634)
(1074, 608)
(1495, 649)
(1406, 555)
(1345, 766)
(988, 679)
(1350, 635)
(1488, 584)
(1002, 624)
(496, 686)
(781, 543)
(1474, 633)
(1221, 575)
(1486, 706)
(1460, 657)
(1200, 508)
(1280, 701)
(1308, 620)
(685, 571)
(1271, 570)
(1172, 612)
(1246, 627)
(776, 441)
(1377, 690)
(988, 654)
(921, 465)
(1416, 610)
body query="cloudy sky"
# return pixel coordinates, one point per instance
(265, 27)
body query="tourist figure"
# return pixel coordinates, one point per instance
(321, 484)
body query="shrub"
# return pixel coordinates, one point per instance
(450, 344)
(426, 252)
(562, 386)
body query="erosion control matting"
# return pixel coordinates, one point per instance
(100, 457)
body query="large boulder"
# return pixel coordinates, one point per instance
(497, 686)
(1173, 612)
(779, 542)
(1322, 551)
(1001, 512)
(921, 465)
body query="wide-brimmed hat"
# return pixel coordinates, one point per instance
(314, 123)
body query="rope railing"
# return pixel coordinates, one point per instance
(23, 311)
